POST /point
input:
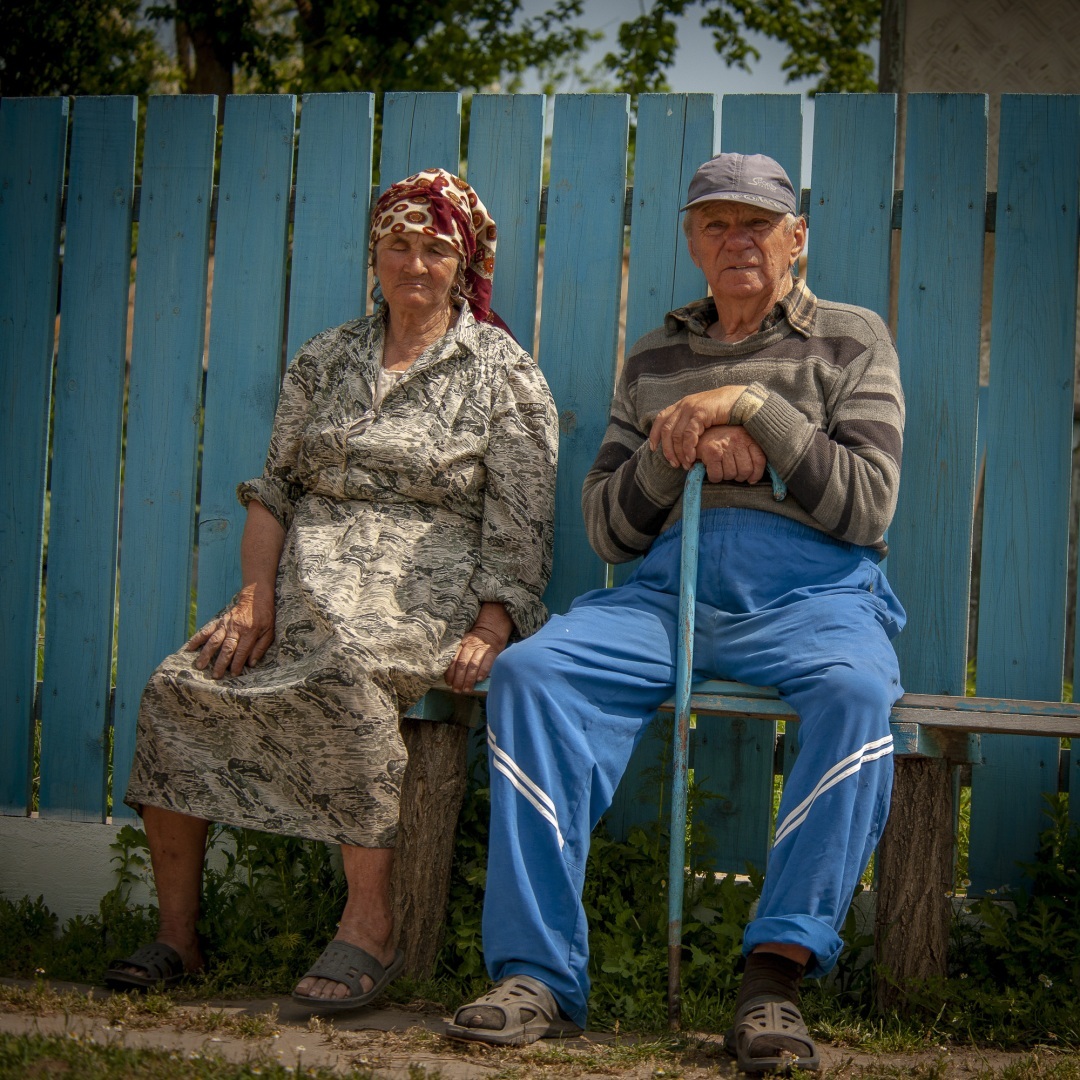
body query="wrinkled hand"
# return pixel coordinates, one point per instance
(239, 635)
(478, 649)
(677, 429)
(730, 452)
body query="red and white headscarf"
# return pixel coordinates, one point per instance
(438, 203)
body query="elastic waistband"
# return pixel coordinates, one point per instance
(762, 523)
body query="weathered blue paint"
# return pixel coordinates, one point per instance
(33, 144)
(1022, 644)
(328, 278)
(164, 402)
(1023, 580)
(579, 323)
(420, 131)
(246, 327)
(684, 674)
(765, 124)
(506, 157)
(851, 193)
(938, 339)
(81, 576)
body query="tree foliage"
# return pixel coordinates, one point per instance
(438, 45)
(827, 40)
(215, 38)
(75, 47)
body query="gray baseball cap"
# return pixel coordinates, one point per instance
(744, 178)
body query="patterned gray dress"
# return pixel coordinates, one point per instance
(400, 519)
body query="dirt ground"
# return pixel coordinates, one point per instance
(401, 1043)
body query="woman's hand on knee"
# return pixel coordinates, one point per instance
(239, 636)
(479, 647)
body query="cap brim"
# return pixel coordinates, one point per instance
(749, 200)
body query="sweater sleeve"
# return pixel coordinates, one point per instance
(630, 490)
(846, 476)
(517, 531)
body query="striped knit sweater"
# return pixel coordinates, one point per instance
(823, 401)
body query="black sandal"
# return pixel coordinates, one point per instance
(162, 966)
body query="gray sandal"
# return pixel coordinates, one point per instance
(348, 964)
(514, 1012)
(780, 1026)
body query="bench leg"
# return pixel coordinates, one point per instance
(431, 797)
(914, 875)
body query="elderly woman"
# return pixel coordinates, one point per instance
(400, 532)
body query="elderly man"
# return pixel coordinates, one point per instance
(760, 373)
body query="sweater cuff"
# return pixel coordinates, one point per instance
(748, 403)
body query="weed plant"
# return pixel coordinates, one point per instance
(270, 903)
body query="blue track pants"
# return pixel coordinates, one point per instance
(779, 604)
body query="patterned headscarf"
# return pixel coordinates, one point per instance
(438, 203)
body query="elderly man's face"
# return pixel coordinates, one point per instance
(745, 252)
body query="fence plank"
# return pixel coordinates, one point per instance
(674, 136)
(33, 143)
(1026, 516)
(81, 575)
(938, 339)
(765, 124)
(164, 400)
(851, 199)
(420, 131)
(506, 157)
(579, 320)
(246, 324)
(730, 758)
(330, 228)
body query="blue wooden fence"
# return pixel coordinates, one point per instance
(286, 227)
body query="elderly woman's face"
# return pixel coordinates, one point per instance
(415, 272)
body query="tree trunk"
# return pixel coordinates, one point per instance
(431, 797)
(915, 869)
(891, 47)
(203, 70)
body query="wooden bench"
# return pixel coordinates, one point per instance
(125, 497)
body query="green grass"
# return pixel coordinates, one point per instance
(26, 1056)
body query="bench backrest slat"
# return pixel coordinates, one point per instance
(164, 402)
(33, 134)
(579, 325)
(88, 409)
(247, 315)
(1029, 438)
(938, 338)
(328, 280)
